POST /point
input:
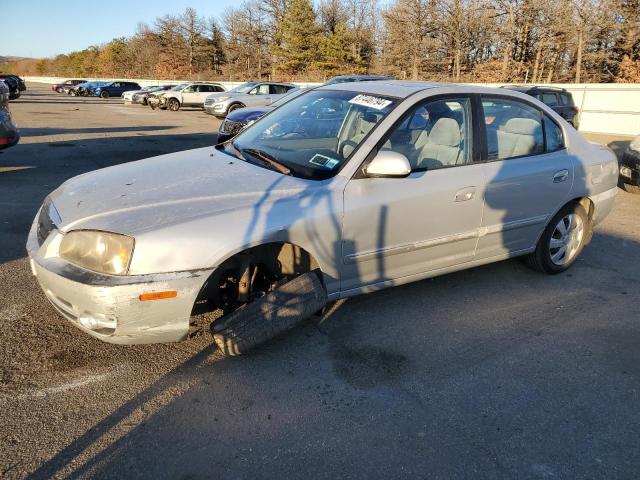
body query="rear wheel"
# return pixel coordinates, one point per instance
(173, 104)
(562, 241)
(59, 90)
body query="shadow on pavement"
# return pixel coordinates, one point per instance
(436, 390)
(37, 132)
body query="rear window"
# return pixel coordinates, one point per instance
(566, 99)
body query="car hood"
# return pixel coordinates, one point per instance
(140, 196)
(247, 114)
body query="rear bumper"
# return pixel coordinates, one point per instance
(9, 141)
(603, 204)
(109, 307)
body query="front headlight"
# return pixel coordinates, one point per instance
(222, 99)
(98, 251)
(635, 144)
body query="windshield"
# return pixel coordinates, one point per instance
(290, 95)
(182, 86)
(314, 134)
(244, 88)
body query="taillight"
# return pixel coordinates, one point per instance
(575, 109)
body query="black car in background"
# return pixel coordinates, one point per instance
(21, 85)
(9, 134)
(630, 166)
(13, 83)
(357, 78)
(559, 99)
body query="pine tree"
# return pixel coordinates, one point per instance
(300, 39)
(337, 57)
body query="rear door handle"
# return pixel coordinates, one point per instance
(560, 176)
(465, 194)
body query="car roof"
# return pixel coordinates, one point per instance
(404, 88)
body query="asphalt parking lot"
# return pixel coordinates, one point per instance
(494, 372)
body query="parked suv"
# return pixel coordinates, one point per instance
(191, 94)
(115, 89)
(66, 85)
(246, 95)
(559, 99)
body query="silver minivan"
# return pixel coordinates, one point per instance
(344, 190)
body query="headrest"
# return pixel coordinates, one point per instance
(521, 126)
(446, 131)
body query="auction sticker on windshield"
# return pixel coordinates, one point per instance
(324, 161)
(370, 101)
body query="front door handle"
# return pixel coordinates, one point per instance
(465, 194)
(560, 176)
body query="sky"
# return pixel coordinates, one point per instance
(39, 28)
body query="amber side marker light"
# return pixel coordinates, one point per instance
(145, 297)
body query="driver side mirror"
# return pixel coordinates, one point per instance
(388, 164)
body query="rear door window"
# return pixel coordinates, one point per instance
(513, 129)
(553, 135)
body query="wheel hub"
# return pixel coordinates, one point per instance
(566, 239)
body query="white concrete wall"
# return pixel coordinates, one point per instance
(612, 108)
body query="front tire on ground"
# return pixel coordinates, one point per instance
(562, 241)
(173, 104)
(233, 107)
(269, 316)
(104, 95)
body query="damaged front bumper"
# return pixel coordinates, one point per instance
(157, 102)
(109, 307)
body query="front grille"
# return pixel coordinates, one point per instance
(45, 223)
(230, 127)
(210, 101)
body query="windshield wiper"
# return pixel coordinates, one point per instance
(268, 160)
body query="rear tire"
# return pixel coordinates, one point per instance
(173, 105)
(269, 316)
(562, 241)
(635, 189)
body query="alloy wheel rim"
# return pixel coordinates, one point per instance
(566, 239)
